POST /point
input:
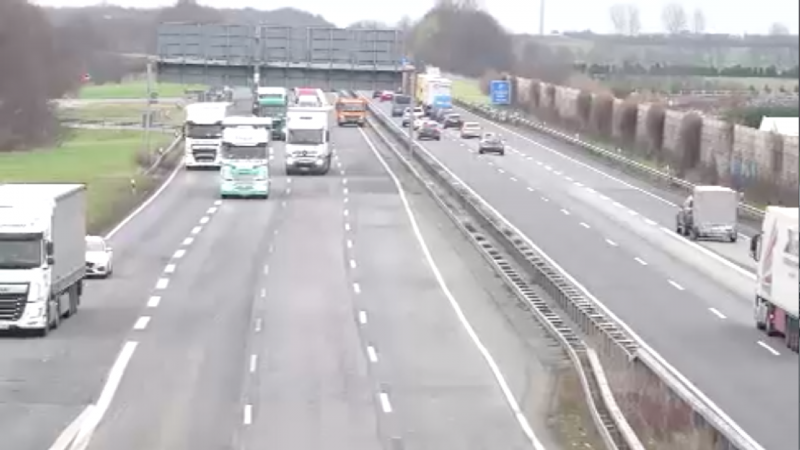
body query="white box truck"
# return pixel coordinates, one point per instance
(775, 249)
(42, 254)
(203, 133)
(710, 212)
(308, 140)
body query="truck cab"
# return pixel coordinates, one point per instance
(203, 133)
(351, 111)
(272, 102)
(709, 212)
(245, 157)
(775, 250)
(308, 137)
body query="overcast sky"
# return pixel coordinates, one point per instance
(724, 16)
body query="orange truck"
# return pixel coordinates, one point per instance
(351, 111)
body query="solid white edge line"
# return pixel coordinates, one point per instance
(100, 408)
(66, 437)
(768, 348)
(145, 204)
(498, 375)
(716, 312)
(640, 261)
(642, 344)
(386, 405)
(676, 285)
(248, 415)
(253, 363)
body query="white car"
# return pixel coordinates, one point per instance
(99, 257)
(471, 130)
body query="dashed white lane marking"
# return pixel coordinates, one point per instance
(768, 348)
(283, 204)
(352, 263)
(530, 189)
(179, 254)
(346, 199)
(611, 243)
(513, 179)
(717, 313)
(569, 179)
(253, 363)
(204, 220)
(263, 292)
(349, 243)
(266, 270)
(618, 204)
(566, 213)
(578, 184)
(258, 325)
(557, 172)
(501, 171)
(346, 191)
(640, 261)
(545, 199)
(372, 354)
(347, 227)
(196, 229)
(357, 288)
(346, 212)
(676, 285)
(289, 180)
(585, 225)
(288, 190)
(362, 317)
(386, 405)
(604, 197)
(344, 180)
(650, 221)
(154, 301)
(141, 323)
(548, 168)
(188, 241)
(248, 414)
(217, 202)
(170, 268)
(211, 210)
(162, 283)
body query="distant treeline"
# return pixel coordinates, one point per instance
(687, 70)
(702, 40)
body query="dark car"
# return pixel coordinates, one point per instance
(399, 104)
(491, 143)
(453, 120)
(441, 113)
(376, 94)
(429, 130)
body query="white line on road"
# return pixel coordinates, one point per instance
(357, 288)
(288, 190)
(569, 179)
(289, 180)
(585, 225)
(162, 283)
(530, 189)
(211, 210)
(346, 212)
(372, 354)
(545, 199)
(579, 184)
(352, 263)
(618, 204)
(170, 268)
(263, 292)
(248, 414)
(501, 171)
(344, 180)
(196, 230)
(349, 243)
(566, 213)
(204, 220)
(768, 348)
(362, 317)
(153, 301)
(266, 270)
(218, 202)
(283, 204)
(346, 199)
(253, 363)
(188, 241)
(650, 221)
(676, 285)
(386, 405)
(347, 227)
(513, 179)
(179, 254)
(557, 173)
(717, 313)
(611, 243)
(141, 323)
(258, 325)
(640, 261)
(346, 191)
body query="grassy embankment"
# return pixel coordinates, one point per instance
(106, 160)
(132, 90)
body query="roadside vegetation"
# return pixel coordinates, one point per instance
(105, 160)
(133, 90)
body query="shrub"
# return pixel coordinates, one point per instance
(513, 85)
(689, 141)
(584, 107)
(550, 93)
(654, 123)
(602, 114)
(536, 94)
(776, 154)
(628, 120)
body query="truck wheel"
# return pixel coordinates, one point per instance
(760, 314)
(733, 237)
(73, 302)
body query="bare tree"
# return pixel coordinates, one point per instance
(634, 20)
(698, 22)
(778, 29)
(619, 18)
(673, 16)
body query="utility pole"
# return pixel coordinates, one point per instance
(412, 92)
(148, 114)
(541, 17)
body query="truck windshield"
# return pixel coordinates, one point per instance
(271, 98)
(234, 152)
(351, 107)
(196, 131)
(271, 110)
(305, 137)
(20, 253)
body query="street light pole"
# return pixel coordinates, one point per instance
(148, 114)
(411, 72)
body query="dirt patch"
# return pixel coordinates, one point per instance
(569, 417)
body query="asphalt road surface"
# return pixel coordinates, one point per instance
(309, 320)
(691, 305)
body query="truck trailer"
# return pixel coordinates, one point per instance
(775, 250)
(42, 254)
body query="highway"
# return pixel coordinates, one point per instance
(329, 316)
(613, 234)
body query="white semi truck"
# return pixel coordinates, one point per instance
(308, 138)
(42, 254)
(775, 249)
(245, 157)
(203, 133)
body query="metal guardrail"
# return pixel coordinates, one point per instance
(688, 412)
(517, 119)
(163, 156)
(611, 424)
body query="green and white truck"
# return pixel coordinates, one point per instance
(245, 157)
(272, 102)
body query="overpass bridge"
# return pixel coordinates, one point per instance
(324, 58)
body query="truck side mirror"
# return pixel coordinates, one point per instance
(327, 136)
(49, 248)
(50, 260)
(755, 244)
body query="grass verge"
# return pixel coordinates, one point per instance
(133, 89)
(106, 160)
(570, 418)
(468, 91)
(167, 114)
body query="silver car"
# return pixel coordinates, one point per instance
(470, 130)
(492, 143)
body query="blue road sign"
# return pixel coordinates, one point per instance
(500, 92)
